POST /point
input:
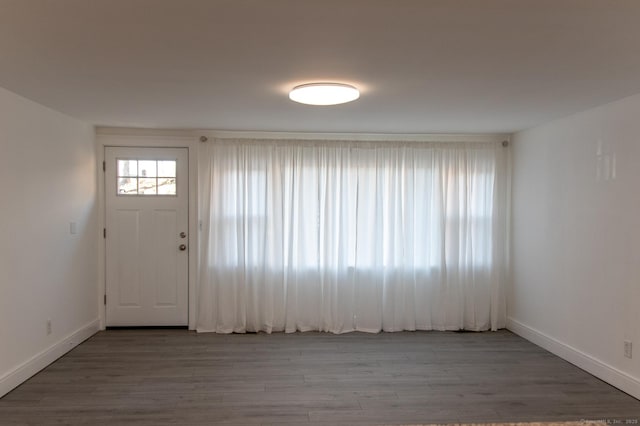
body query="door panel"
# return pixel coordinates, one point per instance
(127, 277)
(146, 191)
(166, 258)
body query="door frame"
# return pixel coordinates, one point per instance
(133, 138)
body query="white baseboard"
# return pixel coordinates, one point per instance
(602, 370)
(24, 371)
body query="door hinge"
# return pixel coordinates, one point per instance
(104, 166)
(104, 233)
(105, 299)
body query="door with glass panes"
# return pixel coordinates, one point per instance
(147, 247)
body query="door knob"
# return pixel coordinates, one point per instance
(183, 235)
(182, 247)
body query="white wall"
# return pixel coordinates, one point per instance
(576, 239)
(47, 180)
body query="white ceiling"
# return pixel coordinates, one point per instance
(423, 66)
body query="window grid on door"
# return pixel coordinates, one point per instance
(145, 177)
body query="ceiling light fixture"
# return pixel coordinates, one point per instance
(324, 93)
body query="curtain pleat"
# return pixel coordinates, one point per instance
(346, 236)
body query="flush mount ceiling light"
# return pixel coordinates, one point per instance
(324, 93)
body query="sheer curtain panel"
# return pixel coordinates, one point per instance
(345, 236)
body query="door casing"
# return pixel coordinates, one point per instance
(148, 138)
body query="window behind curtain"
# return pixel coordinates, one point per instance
(381, 197)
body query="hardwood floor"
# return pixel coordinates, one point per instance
(156, 377)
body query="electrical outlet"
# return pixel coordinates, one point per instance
(48, 326)
(628, 349)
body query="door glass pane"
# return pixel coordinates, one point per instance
(147, 168)
(127, 186)
(167, 186)
(147, 186)
(127, 167)
(167, 168)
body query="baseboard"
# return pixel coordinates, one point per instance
(24, 371)
(602, 370)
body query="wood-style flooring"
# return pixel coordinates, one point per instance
(158, 377)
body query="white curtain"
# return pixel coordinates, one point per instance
(344, 236)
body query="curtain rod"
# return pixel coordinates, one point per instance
(374, 137)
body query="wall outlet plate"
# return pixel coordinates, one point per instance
(628, 349)
(48, 327)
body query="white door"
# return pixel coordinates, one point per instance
(146, 192)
